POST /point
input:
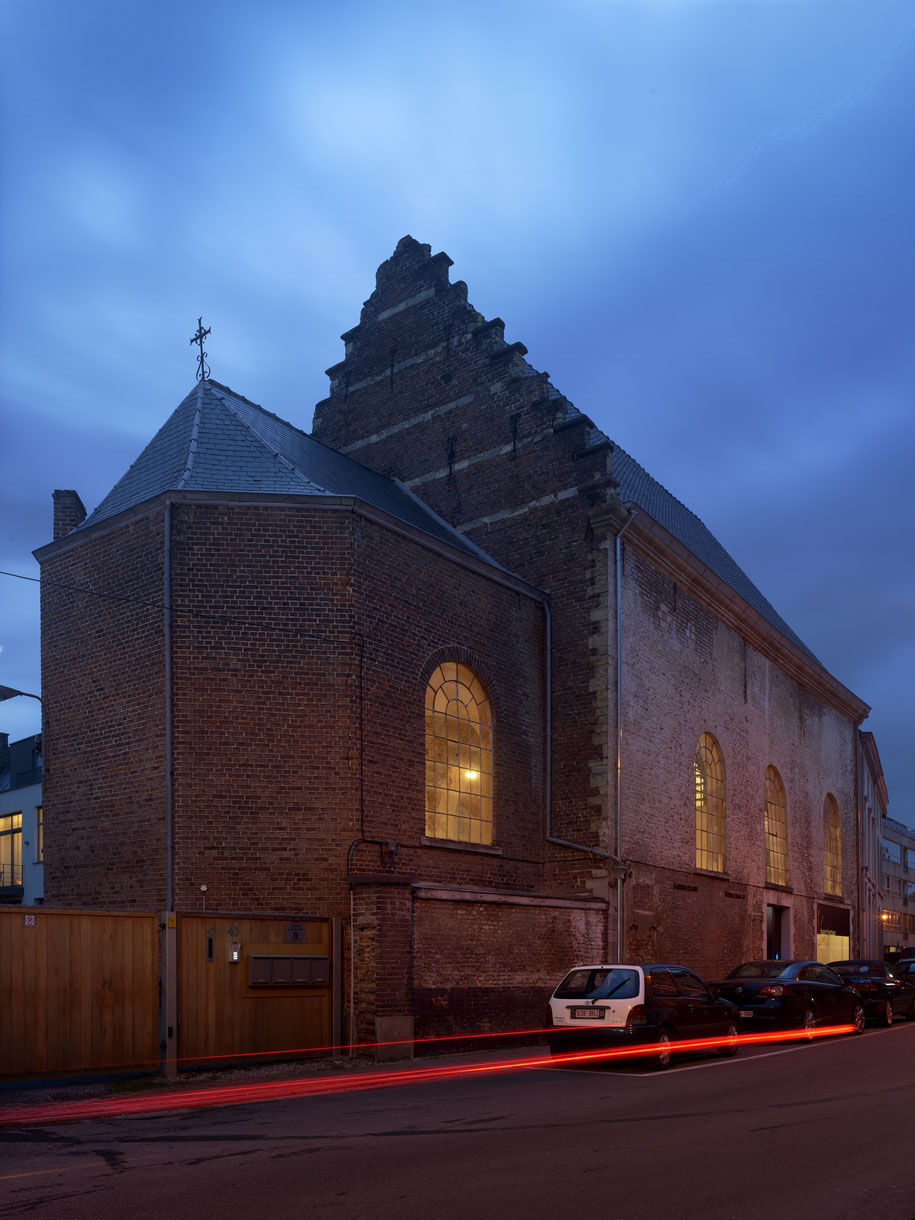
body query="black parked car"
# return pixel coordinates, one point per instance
(610, 1006)
(904, 969)
(791, 995)
(882, 993)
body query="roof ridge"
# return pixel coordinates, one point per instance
(192, 444)
(281, 457)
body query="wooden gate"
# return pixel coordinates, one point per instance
(252, 985)
(79, 990)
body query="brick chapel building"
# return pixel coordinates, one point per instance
(453, 669)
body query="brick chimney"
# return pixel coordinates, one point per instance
(68, 512)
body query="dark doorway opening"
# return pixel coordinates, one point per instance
(776, 932)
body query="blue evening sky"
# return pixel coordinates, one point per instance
(696, 214)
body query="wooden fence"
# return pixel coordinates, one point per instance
(78, 990)
(107, 991)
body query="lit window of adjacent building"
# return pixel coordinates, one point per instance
(832, 847)
(708, 771)
(11, 849)
(776, 829)
(459, 756)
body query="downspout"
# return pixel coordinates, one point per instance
(167, 628)
(859, 949)
(618, 844)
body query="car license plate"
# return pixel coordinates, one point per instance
(587, 1014)
(745, 1012)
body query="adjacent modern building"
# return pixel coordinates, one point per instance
(453, 669)
(897, 887)
(21, 821)
(873, 801)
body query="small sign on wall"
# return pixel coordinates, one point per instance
(29, 919)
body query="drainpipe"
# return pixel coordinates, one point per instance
(618, 844)
(167, 628)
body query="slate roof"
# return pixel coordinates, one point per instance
(638, 487)
(216, 440)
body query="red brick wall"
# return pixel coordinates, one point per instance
(488, 966)
(104, 702)
(416, 610)
(264, 706)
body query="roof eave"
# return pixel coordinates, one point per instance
(475, 562)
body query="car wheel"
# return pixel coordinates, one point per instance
(808, 1021)
(859, 1019)
(886, 1017)
(663, 1049)
(731, 1046)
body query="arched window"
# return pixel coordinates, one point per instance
(776, 829)
(710, 806)
(458, 756)
(832, 847)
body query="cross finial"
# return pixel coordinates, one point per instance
(202, 370)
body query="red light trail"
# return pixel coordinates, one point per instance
(261, 1091)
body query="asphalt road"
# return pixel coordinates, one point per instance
(821, 1131)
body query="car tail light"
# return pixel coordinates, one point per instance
(636, 1015)
(774, 990)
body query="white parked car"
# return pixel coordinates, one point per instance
(599, 1007)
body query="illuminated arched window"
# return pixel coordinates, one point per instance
(832, 847)
(458, 756)
(708, 767)
(776, 829)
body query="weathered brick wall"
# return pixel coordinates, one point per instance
(430, 391)
(415, 611)
(491, 966)
(686, 673)
(104, 702)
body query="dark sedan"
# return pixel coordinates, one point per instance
(791, 995)
(882, 993)
(904, 969)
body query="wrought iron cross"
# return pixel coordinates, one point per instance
(203, 371)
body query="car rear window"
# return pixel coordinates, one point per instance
(759, 970)
(598, 984)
